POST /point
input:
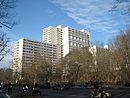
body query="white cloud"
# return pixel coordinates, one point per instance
(95, 15)
(50, 12)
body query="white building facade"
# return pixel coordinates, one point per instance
(66, 38)
(25, 51)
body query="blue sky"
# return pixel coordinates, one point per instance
(34, 15)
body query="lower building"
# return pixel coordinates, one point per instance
(27, 52)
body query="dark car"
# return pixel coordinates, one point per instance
(127, 84)
(45, 85)
(4, 95)
(2, 89)
(36, 91)
(60, 86)
(81, 85)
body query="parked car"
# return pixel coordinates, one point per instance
(45, 85)
(2, 89)
(60, 86)
(81, 85)
(4, 95)
(127, 84)
(36, 91)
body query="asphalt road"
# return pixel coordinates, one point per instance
(116, 92)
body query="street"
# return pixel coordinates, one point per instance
(116, 92)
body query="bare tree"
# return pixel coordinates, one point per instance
(39, 71)
(104, 64)
(121, 5)
(113, 64)
(3, 45)
(77, 64)
(6, 75)
(122, 51)
(6, 19)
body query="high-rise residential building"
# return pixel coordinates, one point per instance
(66, 38)
(26, 51)
(57, 42)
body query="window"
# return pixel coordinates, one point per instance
(71, 43)
(71, 37)
(74, 38)
(78, 38)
